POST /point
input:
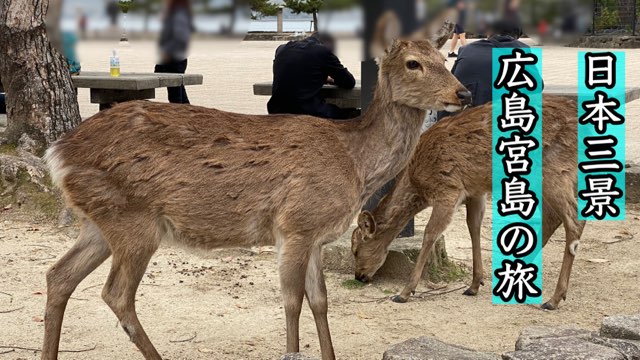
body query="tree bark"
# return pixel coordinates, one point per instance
(41, 99)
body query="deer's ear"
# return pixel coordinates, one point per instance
(440, 37)
(387, 31)
(367, 223)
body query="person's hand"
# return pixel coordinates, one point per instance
(330, 80)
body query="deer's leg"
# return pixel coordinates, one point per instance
(475, 215)
(316, 292)
(293, 260)
(89, 251)
(573, 229)
(131, 255)
(438, 223)
(550, 224)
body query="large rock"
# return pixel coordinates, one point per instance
(621, 327)
(629, 348)
(549, 343)
(574, 348)
(24, 180)
(425, 348)
(534, 334)
(296, 356)
(400, 261)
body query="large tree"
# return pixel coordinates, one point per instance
(263, 8)
(306, 6)
(147, 8)
(41, 99)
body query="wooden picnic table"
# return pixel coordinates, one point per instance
(351, 98)
(106, 90)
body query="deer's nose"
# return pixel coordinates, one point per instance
(464, 96)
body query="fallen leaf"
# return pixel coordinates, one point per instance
(8, 207)
(205, 350)
(598, 261)
(364, 316)
(37, 319)
(39, 293)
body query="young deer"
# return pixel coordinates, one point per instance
(452, 166)
(143, 173)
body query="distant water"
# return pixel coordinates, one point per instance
(347, 21)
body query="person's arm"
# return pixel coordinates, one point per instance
(340, 75)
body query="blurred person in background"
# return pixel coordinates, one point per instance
(473, 68)
(459, 31)
(3, 106)
(175, 36)
(300, 70)
(113, 10)
(82, 23)
(512, 12)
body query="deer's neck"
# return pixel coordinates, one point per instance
(385, 139)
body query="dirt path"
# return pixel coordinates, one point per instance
(226, 304)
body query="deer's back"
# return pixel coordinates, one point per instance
(211, 174)
(455, 155)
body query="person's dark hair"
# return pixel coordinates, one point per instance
(326, 39)
(506, 28)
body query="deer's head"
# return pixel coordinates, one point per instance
(369, 252)
(413, 69)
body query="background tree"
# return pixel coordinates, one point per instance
(41, 99)
(263, 8)
(306, 6)
(146, 8)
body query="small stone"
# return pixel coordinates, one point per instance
(432, 349)
(621, 327)
(296, 356)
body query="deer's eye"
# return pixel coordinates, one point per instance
(413, 65)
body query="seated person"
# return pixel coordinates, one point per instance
(300, 69)
(473, 68)
(3, 106)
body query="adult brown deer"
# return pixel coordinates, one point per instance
(452, 166)
(142, 173)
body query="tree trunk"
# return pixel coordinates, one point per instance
(41, 99)
(315, 21)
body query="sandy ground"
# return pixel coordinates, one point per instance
(226, 304)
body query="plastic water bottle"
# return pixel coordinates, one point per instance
(114, 61)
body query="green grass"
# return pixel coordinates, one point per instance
(352, 284)
(8, 149)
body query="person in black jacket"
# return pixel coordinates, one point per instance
(3, 107)
(300, 69)
(177, 27)
(473, 68)
(474, 63)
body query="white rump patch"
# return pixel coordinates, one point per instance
(56, 166)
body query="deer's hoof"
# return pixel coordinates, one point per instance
(548, 306)
(470, 292)
(398, 299)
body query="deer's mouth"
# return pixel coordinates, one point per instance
(451, 107)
